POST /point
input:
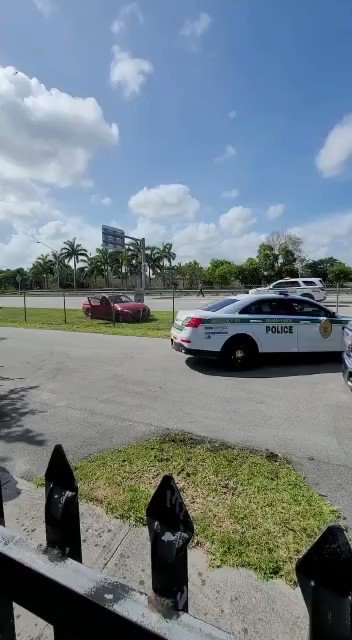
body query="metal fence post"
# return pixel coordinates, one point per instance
(62, 523)
(337, 296)
(7, 620)
(65, 314)
(170, 531)
(173, 304)
(324, 575)
(24, 306)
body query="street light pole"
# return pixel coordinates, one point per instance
(143, 263)
(57, 260)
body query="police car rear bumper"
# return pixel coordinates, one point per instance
(199, 353)
(347, 369)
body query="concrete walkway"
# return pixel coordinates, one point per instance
(235, 600)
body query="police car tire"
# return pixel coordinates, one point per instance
(240, 343)
(307, 295)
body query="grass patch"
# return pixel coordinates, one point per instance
(250, 509)
(158, 325)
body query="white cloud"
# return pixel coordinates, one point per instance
(228, 154)
(47, 135)
(237, 220)
(275, 211)
(153, 232)
(44, 6)
(22, 247)
(131, 10)
(164, 202)
(96, 198)
(337, 149)
(232, 114)
(328, 235)
(231, 194)
(128, 73)
(193, 30)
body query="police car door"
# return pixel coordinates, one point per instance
(272, 323)
(318, 330)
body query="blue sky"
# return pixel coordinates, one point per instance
(212, 98)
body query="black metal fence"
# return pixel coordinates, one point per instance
(81, 603)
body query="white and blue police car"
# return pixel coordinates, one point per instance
(236, 331)
(347, 355)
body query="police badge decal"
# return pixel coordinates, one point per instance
(325, 328)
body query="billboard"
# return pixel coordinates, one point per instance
(113, 238)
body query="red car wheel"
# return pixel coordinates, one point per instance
(88, 313)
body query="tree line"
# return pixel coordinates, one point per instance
(280, 256)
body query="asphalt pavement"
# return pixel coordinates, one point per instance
(93, 392)
(156, 302)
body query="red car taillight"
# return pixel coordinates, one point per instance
(192, 322)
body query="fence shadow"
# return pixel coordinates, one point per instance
(274, 366)
(14, 408)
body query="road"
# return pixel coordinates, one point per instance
(156, 303)
(93, 392)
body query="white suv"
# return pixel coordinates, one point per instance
(312, 288)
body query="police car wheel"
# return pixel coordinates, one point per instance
(239, 353)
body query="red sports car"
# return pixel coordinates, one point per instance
(104, 307)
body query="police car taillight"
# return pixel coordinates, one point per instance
(192, 322)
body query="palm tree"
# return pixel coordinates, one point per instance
(153, 259)
(93, 270)
(116, 265)
(168, 256)
(102, 263)
(59, 261)
(74, 251)
(42, 267)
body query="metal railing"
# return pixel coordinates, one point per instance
(81, 603)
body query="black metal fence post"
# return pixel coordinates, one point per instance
(324, 575)
(62, 523)
(7, 619)
(170, 531)
(65, 314)
(24, 306)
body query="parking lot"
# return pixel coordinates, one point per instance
(93, 392)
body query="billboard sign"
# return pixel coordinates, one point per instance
(113, 238)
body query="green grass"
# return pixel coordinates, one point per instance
(158, 326)
(250, 509)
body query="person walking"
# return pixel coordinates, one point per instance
(200, 290)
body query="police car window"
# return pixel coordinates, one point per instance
(309, 283)
(309, 309)
(219, 304)
(277, 307)
(279, 285)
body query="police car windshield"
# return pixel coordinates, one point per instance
(219, 304)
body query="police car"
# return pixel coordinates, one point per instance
(347, 355)
(312, 288)
(238, 330)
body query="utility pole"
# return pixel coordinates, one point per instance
(143, 263)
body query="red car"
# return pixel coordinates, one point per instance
(103, 308)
